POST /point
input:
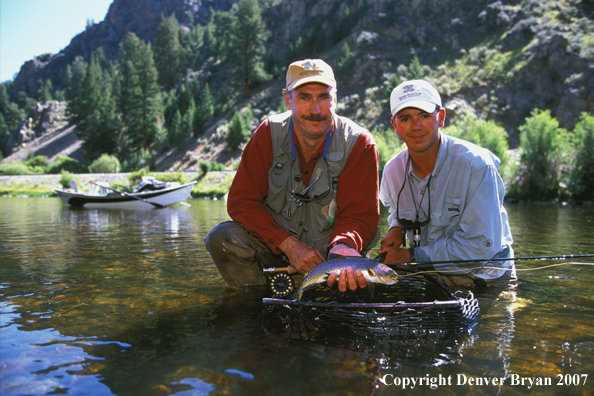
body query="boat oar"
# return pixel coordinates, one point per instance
(156, 205)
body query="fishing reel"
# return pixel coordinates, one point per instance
(281, 283)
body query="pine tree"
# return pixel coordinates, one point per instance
(204, 110)
(208, 35)
(222, 24)
(188, 120)
(175, 129)
(141, 103)
(4, 100)
(415, 69)
(75, 75)
(45, 90)
(238, 131)
(13, 116)
(3, 135)
(169, 54)
(191, 42)
(183, 98)
(346, 62)
(170, 108)
(99, 126)
(248, 34)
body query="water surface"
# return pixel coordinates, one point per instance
(104, 302)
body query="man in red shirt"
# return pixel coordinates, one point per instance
(307, 186)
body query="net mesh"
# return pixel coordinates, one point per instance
(417, 304)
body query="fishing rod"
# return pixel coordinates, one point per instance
(282, 284)
(527, 258)
(291, 270)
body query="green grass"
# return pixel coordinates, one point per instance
(31, 190)
(212, 185)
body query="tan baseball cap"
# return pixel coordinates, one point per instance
(309, 71)
(414, 93)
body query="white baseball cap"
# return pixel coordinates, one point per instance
(414, 93)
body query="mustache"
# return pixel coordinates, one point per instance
(314, 117)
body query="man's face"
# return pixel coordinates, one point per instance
(418, 129)
(313, 106)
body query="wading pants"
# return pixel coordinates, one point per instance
(240, 257)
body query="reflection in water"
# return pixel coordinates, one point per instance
(129, 302)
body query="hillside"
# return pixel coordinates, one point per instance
(497, 59)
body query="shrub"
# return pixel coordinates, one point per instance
(19, 168)
(239, 132)
(388, 145)
(483, 133)
(39, 160)
(136, 176)
(179, 177)
(105, 164)
(204, 167)
(66, 177)
(543, 146)
(65, 163)
(347, 61)
(581, 178)
(217, 167)
(139, 160)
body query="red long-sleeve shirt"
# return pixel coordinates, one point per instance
(356, 196)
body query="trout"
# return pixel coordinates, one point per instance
(373, 271)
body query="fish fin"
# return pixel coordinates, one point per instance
(335, 256)
(371, 272)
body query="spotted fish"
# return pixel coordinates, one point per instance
(373, 271)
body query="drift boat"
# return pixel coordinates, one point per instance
(149, 194)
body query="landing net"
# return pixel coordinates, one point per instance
(417, 304)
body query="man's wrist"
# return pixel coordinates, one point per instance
(333, 245)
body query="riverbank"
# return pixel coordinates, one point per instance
(213, 184)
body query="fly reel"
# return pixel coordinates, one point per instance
(282, 285)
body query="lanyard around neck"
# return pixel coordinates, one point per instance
(405, 222)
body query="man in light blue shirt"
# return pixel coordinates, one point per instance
(445, 194)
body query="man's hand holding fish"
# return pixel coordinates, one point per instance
(347, 277)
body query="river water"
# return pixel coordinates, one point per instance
(99, 302)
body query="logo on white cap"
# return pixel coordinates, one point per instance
(309, 65)
(408, 88)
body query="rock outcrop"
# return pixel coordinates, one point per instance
(544, 50)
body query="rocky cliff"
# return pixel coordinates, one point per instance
(139, 16)
(499, 59)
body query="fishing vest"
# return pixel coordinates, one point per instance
(307, 221)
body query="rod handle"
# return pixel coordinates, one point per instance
(273, 270)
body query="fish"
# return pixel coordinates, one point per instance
(373, 271)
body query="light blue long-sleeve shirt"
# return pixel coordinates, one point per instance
(467, 217)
